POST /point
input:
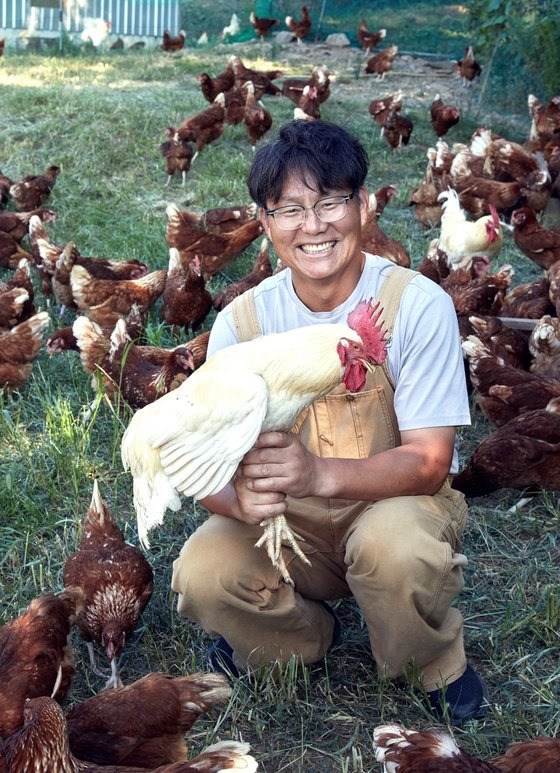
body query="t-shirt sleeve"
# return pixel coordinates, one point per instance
(427, 364)
(222, 333)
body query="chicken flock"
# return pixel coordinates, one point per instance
(472, 194)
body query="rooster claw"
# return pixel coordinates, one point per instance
(276, 529)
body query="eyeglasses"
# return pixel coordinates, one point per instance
(328, 210)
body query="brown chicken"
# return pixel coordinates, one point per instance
(184, 228)
(300, 28)
(16, 224)
(308, 108)
(397, 129)
(261, 25)
(545, 119)
(380, 109)
(541, 245)
(382, 62)
(261, 80)
(369, 39)
(173, 42)
(235, 99)
(144, 723)
(204, 127)
(31, 191)
(117, 582)
(468, 68)
(261, 270)
(544, 346)
(140, 374)
(211, 87)
(22, 279)
(186, 301)
(319, 78)
(178, 155)
(42, 746)
(505, 392)
(479, 294)
(443, 117)
(524, 453)
(10, 251)
(18, 349)
(552, 276)
(225, 219)
(376, 241)
(36, 654)
(382, 197)
(529, 300)
(256, 117)
(503, 159)
(508, 344)
(410, 751)
(5, 185)
(106, 300)
(12, 304)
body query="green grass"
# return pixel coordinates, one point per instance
(101, 118)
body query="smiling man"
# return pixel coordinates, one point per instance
(363, 479)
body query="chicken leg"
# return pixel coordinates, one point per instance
(275, 530)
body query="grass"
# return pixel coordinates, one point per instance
(101, 118)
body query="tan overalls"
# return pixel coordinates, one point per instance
(397, 556)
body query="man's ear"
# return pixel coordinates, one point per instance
(264, 221)
(364, 204)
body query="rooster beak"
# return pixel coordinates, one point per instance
(368, 366)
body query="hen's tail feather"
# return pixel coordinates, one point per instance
(151, 500)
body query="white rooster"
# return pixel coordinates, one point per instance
(463, 239)
(192, 440)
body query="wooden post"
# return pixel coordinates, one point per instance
(488, 67)
(320, 20)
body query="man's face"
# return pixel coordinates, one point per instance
(319, 251)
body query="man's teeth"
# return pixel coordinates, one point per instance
(312, 248)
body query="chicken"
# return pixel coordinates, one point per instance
(173, 42)
(508, 344)
(529, 300)
(544, 346)
(204, 127)
(12, 304)
(545, 119)
(300, 28)
(261, 25)
(443, 117)
(22, 279)
(261, 80)
(256, 117)
(16, 224)
(2, 46)
(308, 108)
(462, 239)
(36, 654)
(468, 68)
(211, 87)
(106, 300)
(382, 197)
(30, 192)
(397, 129)
(178, 155)
(18, 349)
(319, 78)
(186, 301)
(380, 109)
(61, 340)
(410, 751)
(369, 39)
(235, 99)
(479, 295)
(503, 391)
(540, 244)
(193, 440)
(226, 219)
(144, 723)
(42, 746)
(552, 276)
(376, 241)
(261, 270)
(232, 29)
(117, 582)
(503, 159)
(140, 373)
(382, 62)
(5, 185)
(10, 251)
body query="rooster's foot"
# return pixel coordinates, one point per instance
(276, 529)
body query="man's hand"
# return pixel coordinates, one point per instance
(279, 462)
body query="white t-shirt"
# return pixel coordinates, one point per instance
(424, 357)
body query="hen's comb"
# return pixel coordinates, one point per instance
(495, 216)
(364, 321)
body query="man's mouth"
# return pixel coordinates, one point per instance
(315, 249)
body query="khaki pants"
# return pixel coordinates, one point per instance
(397, 557)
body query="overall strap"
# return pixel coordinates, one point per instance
(245, 318)
(390, 299)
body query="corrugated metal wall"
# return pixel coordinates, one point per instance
(127, 17)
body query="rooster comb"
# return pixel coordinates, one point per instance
(364, 321)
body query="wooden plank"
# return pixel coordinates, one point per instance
(519, 323)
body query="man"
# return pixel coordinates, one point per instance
(363, 479)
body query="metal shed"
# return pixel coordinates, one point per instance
(137, 18)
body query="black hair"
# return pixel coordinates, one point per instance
(323, 155)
